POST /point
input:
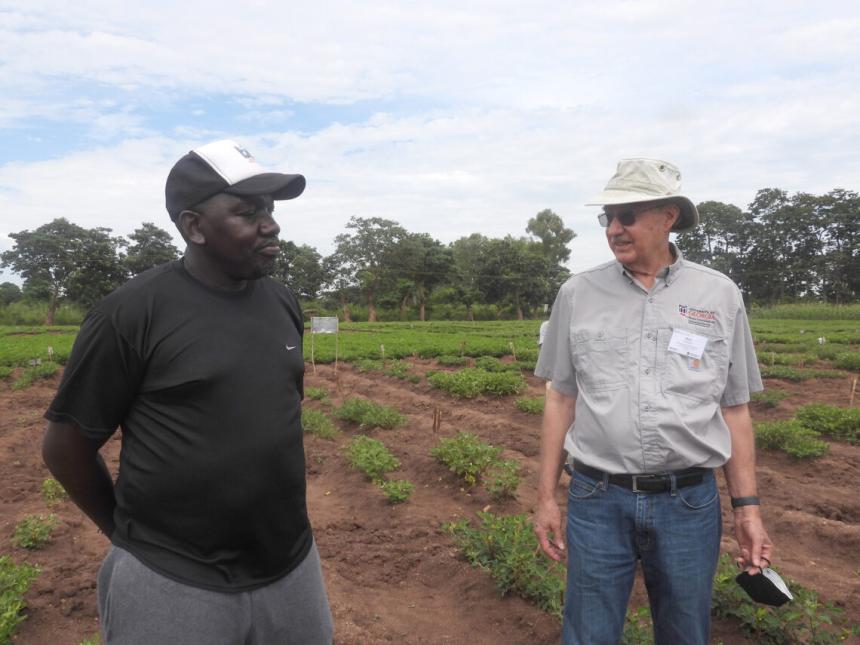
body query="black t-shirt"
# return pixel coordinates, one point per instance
(207, 388)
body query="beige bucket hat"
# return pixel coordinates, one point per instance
(648, 180)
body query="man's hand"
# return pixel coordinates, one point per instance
(548, 530)
(557, 418)
(753, 541)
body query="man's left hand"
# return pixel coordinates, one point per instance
(753, 540)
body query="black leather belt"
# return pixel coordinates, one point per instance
(648, 483)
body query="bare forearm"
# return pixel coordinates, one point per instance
(740, 468)
(75, 462)
(557, 418)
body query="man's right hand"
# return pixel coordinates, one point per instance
(548, 530)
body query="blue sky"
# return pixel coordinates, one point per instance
(448, 117)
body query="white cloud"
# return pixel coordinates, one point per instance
(521, 106)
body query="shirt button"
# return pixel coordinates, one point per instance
(650, 299)
(647, 408)
(647, 370)
(649, 335)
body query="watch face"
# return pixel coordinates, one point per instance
(766, 587)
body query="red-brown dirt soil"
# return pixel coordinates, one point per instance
(393, 574)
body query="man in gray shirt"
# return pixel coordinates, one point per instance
(652, 365)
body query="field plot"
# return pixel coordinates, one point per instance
(393, 569)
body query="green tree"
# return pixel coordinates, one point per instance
(419, 264)
(721, 241)
(787, 244)
(839, 211)
(554, 236)
(150, 247)
(467, 254)
(516, 271)
(9, 293)
(301, 267)
(364, 252)
(82, 264)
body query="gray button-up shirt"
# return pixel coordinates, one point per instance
(641, 407)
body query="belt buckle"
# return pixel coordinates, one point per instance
(635, 485)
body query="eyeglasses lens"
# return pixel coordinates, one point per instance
(625, 218)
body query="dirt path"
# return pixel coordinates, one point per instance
(393, 575)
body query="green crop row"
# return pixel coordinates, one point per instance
(371, 457)
(15, 579)
(468, 457)
(806, 619)
(368, 414)
(506, 548)
(472, 381)
(801, 437)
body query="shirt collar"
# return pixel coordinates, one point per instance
(668, 274)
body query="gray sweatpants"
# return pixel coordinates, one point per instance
(138, 606)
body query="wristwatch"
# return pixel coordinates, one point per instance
(752, 500)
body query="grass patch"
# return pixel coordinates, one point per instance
(492, 364)
(465, 455)
(798, 374)
(452, 361)
(34, 531)
(15, 580)
(400, 369)
(53, 492)
(368, 365)
(836, 422)
(769, 398)
(502, 478)
(319, 424)
(5, 372)
(371, 457)
(848, 361)
(791, 437)
(368, 414)
(35, 373)
(397, 491)
(471, 382)
(531, 404)
(317, 393)
(796, 359)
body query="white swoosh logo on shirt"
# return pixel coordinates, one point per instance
(288, 347)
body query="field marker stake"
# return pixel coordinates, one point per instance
(513, 350)
(853, 390)
(312, 353)
(382, 349)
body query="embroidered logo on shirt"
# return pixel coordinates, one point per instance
(699, 317)
(289, 348)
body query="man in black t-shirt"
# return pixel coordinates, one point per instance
(199, 361)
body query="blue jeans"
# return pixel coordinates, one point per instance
(675, 534)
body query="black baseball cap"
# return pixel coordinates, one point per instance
(224, 167)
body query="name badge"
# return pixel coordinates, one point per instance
(687, 344)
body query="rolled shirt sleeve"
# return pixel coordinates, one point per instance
(554, 362)
(744, 377)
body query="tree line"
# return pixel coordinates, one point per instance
(782, 248)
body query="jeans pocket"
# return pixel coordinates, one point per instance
(583, 487)
(700, 496)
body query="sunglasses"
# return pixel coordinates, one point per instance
(626, 217)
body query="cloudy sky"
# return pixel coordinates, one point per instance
(448, 117)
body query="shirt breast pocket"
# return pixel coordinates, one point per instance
(600, 359)
(701, 379)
